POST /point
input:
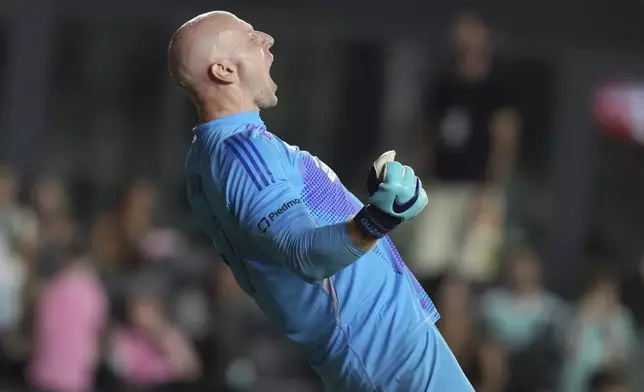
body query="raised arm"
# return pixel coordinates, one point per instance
(269, 207)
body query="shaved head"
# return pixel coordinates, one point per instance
(223, 64)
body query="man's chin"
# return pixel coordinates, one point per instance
(268, 103)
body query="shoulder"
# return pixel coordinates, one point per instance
(256, 155)
(254, 144)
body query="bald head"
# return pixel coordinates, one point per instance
(218, 57)
(200, 42)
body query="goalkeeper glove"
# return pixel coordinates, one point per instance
(395, 195)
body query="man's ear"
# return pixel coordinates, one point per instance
(223, 72)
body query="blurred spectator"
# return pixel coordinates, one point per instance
(474, 124)
(602, 334)
(49, 200)
(118, 234)
(149, 351)
(70, 315)
(608, 380)
(9, 210)
(13, 270)
(16, 222)
(138, 210)
(468, 152)
(529, 322)
(482, 361)
(107, 243)
(18, 236)
(15, 266)
(14, 284)
(57, 228)
(145, 240)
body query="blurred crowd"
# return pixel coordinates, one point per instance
(508, 330)
(130, 296)
(122, 301)
(131, 304)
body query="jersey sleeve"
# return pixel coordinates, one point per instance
(262, 195)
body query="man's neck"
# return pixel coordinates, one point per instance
(206, 116)
(209, 111)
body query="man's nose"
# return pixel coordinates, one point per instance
(268, 40)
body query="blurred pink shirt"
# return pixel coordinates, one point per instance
(140, 361)
(70, 315)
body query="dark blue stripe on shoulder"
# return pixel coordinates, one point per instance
(262, 162)
(243, 146)
(255, 156)
(243, 161)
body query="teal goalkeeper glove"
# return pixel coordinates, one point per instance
(395, 195)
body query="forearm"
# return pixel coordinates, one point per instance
(319, 252)
(356, 234)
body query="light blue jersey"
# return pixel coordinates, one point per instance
(278, 216)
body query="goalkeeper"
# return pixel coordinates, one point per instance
(317, 262)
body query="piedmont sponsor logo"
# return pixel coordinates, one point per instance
(265, 222)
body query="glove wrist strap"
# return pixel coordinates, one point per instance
(375, 223)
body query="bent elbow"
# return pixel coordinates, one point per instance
(315, 255)
(311, 274)
(303, 262)
(311, 279)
